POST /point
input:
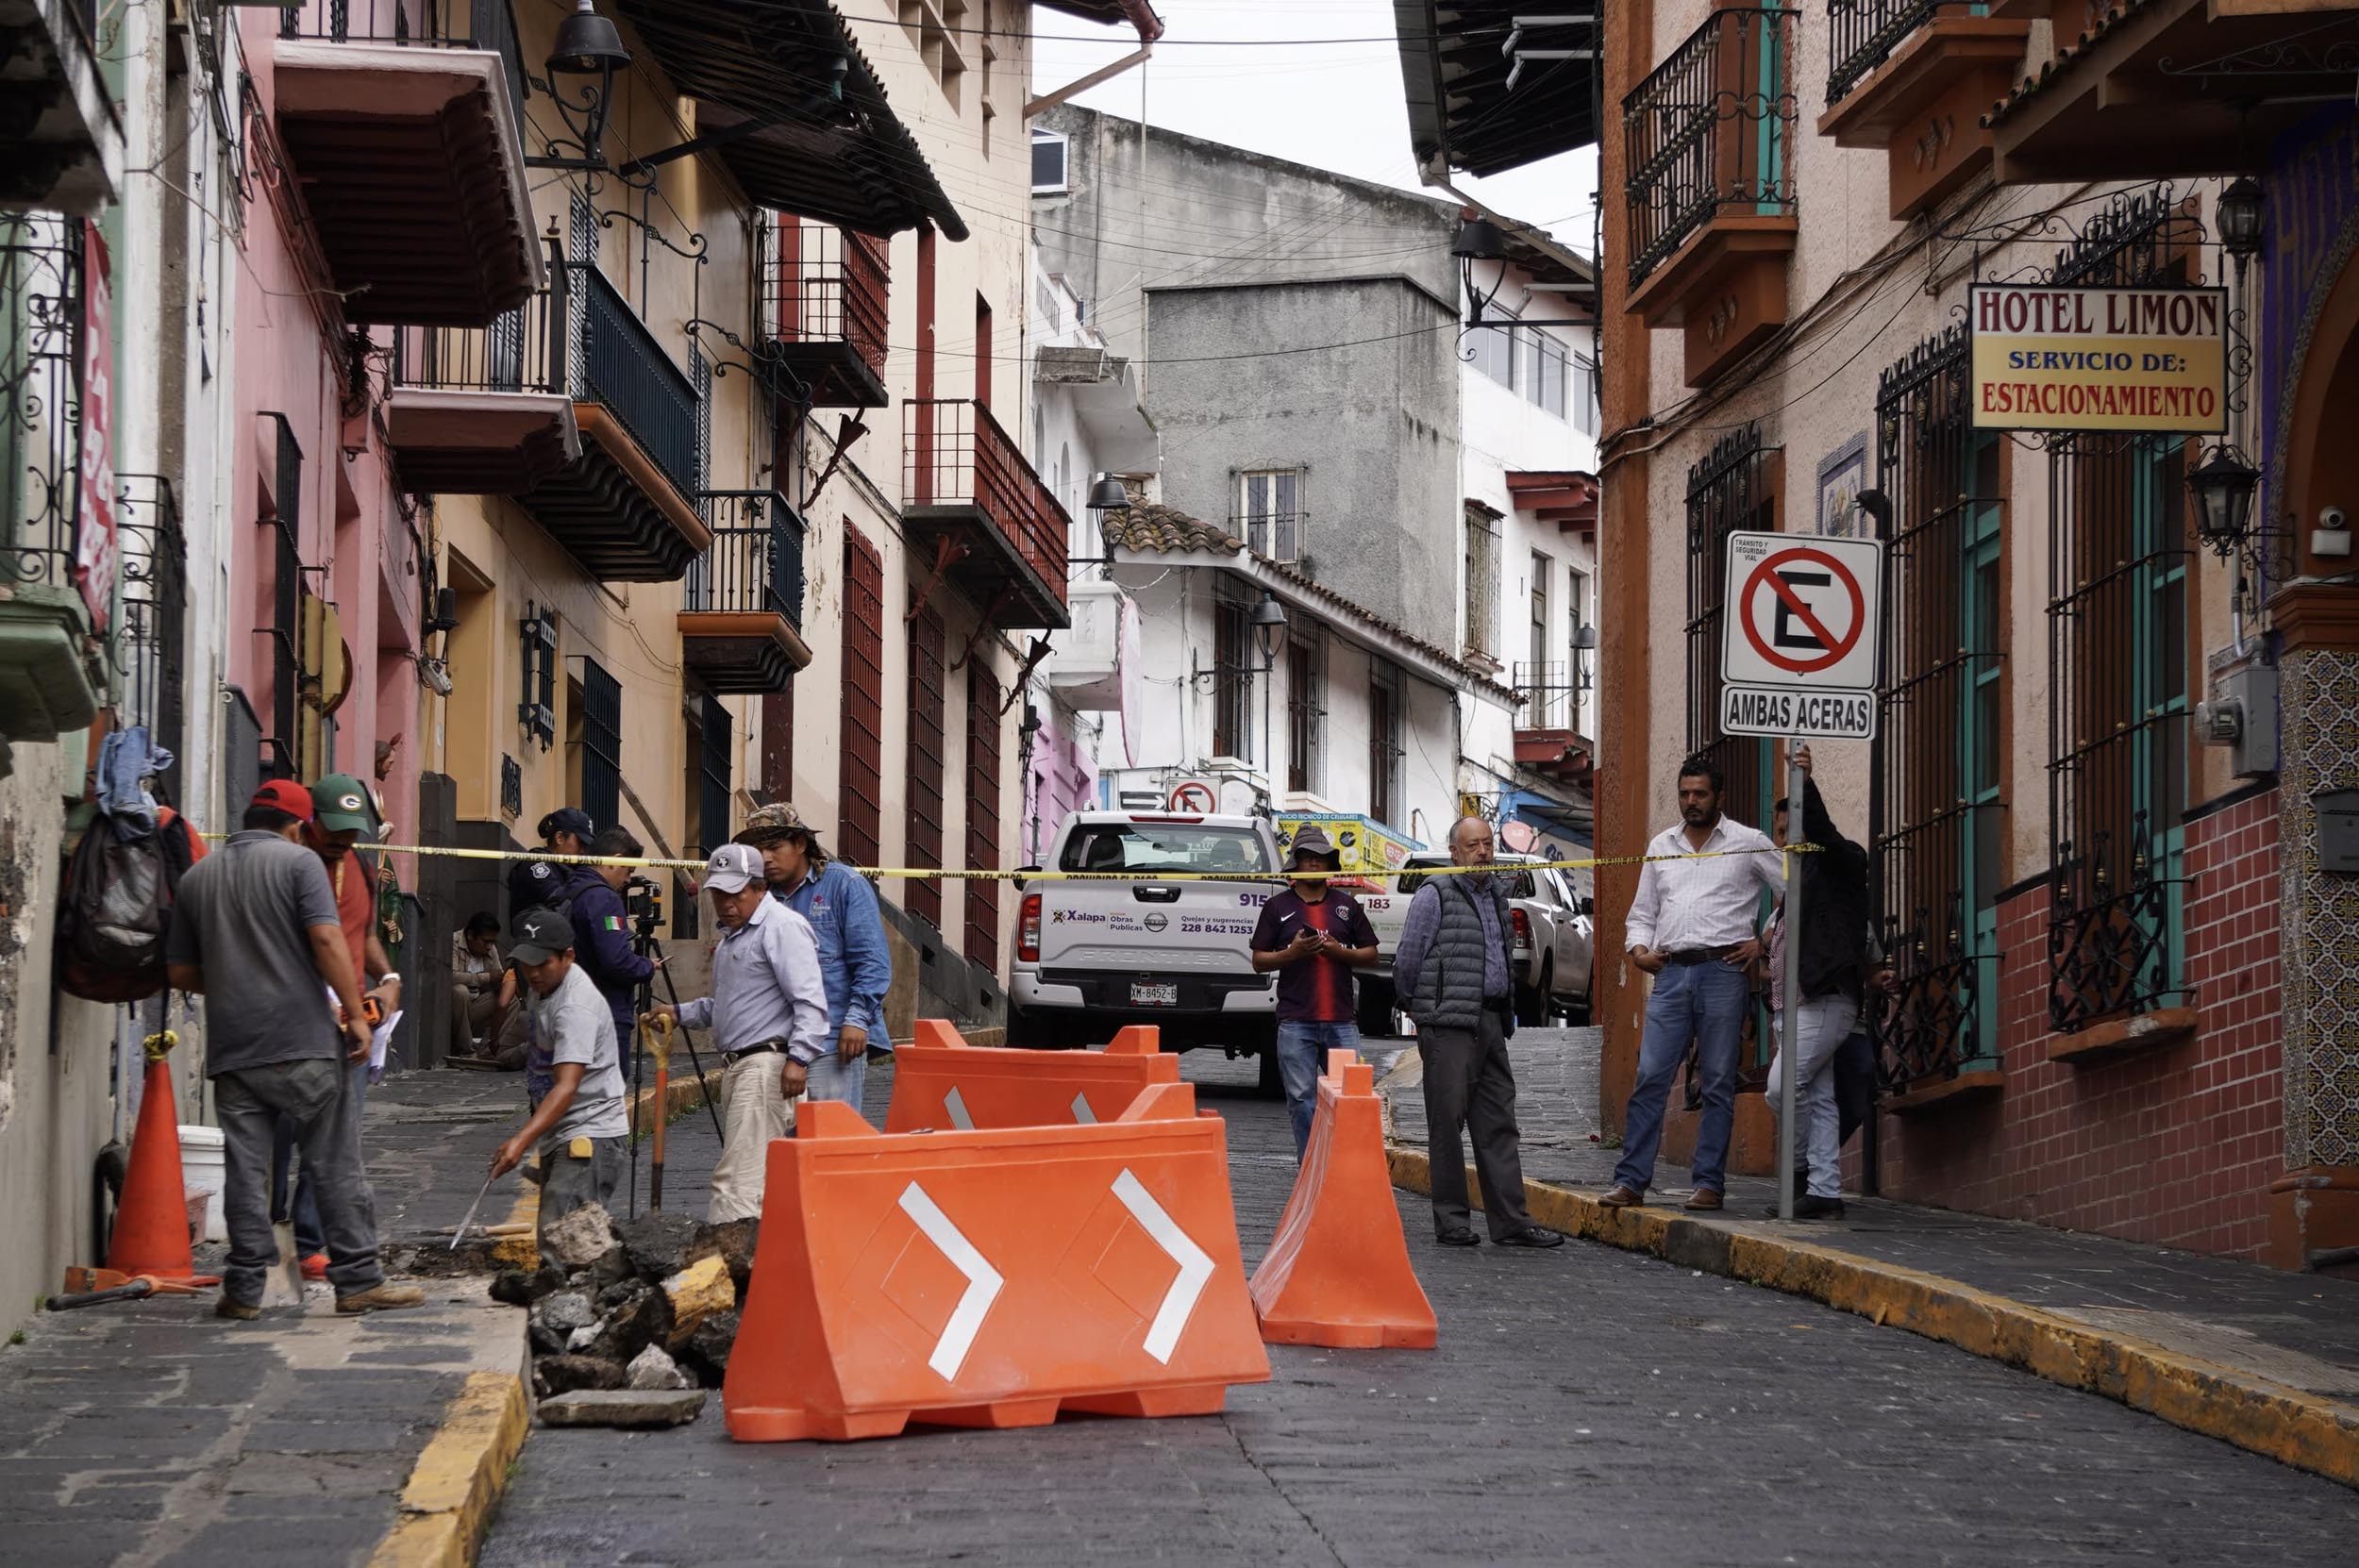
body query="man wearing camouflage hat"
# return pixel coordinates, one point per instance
(854, 963)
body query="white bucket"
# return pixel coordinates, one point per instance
(204, 1168)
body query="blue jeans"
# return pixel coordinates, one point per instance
(310, 1234)
(1302, 1045)
(833, 1078)
(1703, 1002)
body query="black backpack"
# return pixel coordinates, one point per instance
(115, 910)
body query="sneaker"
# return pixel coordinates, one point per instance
(316, 1266)
(236, 1311)
(381, 1298)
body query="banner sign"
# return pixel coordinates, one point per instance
(2138, 359)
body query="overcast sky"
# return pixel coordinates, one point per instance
(1331, 105)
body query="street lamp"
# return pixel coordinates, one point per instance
(587, 45)
(2240, 211)
(1108, 495)
(2223, 488)
(1270, 630)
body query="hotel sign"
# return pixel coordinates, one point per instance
(2138, 359)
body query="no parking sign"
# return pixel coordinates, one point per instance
(1802, 644)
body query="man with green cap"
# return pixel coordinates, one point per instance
(340, 820)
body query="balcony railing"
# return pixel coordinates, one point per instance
(1866, 33)
(1709, 133)
(827, 285)
(424, 23)
(578, 337)
(41, 397)
(756, 564)
(957, 454)
(153, 647)
(1552, 695)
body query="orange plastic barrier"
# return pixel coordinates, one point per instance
(151, 1231)
(942, 1082)
(993, 1278)
(1337, 1272)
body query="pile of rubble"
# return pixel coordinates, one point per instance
(630, 1323)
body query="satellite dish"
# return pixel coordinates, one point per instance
(1519, 835)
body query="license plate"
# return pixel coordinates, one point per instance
(1155, 997)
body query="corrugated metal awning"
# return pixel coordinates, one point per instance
(763, 75)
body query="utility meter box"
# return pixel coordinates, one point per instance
(2338, 830)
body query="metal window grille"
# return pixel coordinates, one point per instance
(1728, 491)
(1710, 130)
(700, 388)
(982, 813)
(1865, 33)
(1306, 705)
(1269, 508)
(286, 525)
(1937, 827)
(2119, 661)
(155, 615)
(924, 771)
(1482, 581)
(1385, 701)
(1233, 674)
(40, 395)
(861, 777)
(601, 745)
(1551, 691)
(537, 712)
(511, 786)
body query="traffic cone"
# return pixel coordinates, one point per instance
(151, 1233)
(1338, 1272)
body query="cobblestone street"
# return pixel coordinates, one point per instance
(1584, 1403)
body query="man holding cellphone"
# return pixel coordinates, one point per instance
(1313, 935)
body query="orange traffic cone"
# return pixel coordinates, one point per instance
(1338, 1272)
(151, 1234)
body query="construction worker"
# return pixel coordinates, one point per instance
(769, 1012)
(581, 1129)
(854, 961)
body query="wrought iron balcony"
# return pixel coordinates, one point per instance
(971, 502)
(1547, 729)
(1913, 79)
(1864, 34)
(823, 311)
(741, 627)
(571, 404)
(152, 649)
(404, 119)
(1709, 134)
(64, 141)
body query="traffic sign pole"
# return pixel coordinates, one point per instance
(1789, 1027)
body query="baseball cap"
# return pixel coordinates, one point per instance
(539, 935)
(732, 866)
(567, 819)
(339, 802)
(284, 794)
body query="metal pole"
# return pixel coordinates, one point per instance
(1789, 1029)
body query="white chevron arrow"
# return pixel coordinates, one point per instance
(982, 1281)
(1082, 1112)
(955, 1104)
(1196, 1266)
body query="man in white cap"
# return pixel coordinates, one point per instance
(768, 1011)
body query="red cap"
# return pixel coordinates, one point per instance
(287, 795)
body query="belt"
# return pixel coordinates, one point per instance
(759, 1047)
(1697, 955)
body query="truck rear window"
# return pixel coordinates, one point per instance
(1166, 847)
(1519, 883)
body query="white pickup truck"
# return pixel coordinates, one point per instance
(1552, 947)
(1092, 956)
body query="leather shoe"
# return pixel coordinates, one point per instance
(1808, 1207)
(1530, 1236)
(1621, 1197)
(1703, 1198)
(1460, 1236)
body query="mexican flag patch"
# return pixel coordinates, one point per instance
(614, 923)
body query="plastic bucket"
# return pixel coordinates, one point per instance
(205, 1168)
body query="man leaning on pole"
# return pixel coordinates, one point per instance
(768, 1011)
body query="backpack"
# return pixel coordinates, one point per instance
(115, 909)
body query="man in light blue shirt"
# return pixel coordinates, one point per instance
(842, 909)
(768, 1012)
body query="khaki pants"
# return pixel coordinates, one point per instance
(755, 1109)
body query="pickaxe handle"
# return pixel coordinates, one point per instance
(137, 1290)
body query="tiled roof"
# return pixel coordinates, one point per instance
(1150, 527)
(2067, 57)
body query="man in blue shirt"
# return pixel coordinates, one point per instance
(854, 963)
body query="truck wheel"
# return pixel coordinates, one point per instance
(1531, 1007)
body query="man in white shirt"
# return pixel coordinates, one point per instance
(1691, 926)
(769, 1012)
(581, 1128)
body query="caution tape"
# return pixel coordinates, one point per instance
(1589, 863)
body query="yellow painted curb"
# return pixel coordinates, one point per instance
(459, 1476)
(2293, 1426)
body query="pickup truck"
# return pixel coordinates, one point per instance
(1092, 956)
(1552, 945)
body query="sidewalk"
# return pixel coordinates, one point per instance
(153, 1433)
(2257, 1357)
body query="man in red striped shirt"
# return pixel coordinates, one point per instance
(1313, 935)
